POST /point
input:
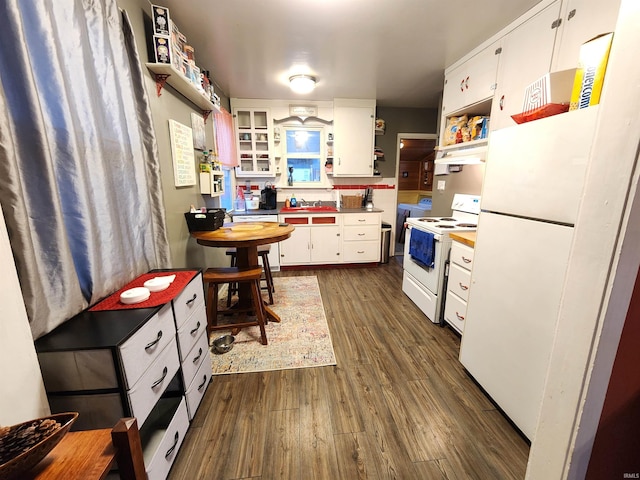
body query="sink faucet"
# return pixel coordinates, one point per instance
(303, 202)
(318, 203)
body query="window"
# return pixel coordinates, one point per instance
(303, 155)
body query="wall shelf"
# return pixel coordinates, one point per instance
(165, 73)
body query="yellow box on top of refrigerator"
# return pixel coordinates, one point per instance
(592, 65)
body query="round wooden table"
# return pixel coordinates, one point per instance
(246, 237)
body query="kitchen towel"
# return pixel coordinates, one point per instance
(422, 247)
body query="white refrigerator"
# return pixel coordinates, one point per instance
(530, 199)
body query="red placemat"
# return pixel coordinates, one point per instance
(112, 302)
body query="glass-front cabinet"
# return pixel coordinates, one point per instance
(253, 139)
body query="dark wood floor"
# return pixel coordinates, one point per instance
(397, 405)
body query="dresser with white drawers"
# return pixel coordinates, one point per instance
(459, 280)
(148, 363)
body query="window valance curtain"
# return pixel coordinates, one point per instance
(81, 190)
(225, 140)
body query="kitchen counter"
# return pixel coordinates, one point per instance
(276, 211)
(467, 238)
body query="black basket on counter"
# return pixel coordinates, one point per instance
(207, 221)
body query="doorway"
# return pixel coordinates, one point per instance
(415, 153)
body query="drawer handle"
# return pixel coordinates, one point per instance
(361, 234)
(463, 287)
(151, 344)
(193, 299)
(460, 317)
(204, 382)
(465, 259)
(362, 219)
(360, 251)
(173, 447)
(197, 357)
(161, 379)
(195, 329)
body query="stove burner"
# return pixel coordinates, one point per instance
(448, 219)
(429, 220)
(466, 225)
(445, 226)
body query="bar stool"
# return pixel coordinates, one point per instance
(217, 276)
(263, 252)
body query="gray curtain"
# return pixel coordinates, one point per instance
(79, 170)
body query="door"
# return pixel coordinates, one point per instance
(516, 284)
(353, 128)
(526, 56)
(426, 276)
(325, 244)
(541, 179)
(582, 20)
(296, 249)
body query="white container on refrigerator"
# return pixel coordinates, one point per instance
(531, 195)
(274, 253)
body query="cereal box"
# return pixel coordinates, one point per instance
(592, 65)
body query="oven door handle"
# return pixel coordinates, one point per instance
(436, 236)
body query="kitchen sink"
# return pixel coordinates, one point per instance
(319, 208)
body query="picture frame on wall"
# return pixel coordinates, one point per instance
(199, 136)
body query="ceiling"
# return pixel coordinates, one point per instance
(392, 50)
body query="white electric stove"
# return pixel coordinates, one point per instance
(424, 285)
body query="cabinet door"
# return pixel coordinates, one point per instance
(353, 141)
(581, 21)
(253, 127)
(296, 250)
(526, 56)
(326, 244)
(471, 82)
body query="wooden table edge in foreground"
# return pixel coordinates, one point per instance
(90, 454)
(246, 237)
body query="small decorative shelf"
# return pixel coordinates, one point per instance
(165, 73)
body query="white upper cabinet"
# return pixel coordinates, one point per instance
(581, 21)
(253, 140)
(526, 56)
(353, 130)
(471, 82)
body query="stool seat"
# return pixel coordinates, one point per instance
(217, 276)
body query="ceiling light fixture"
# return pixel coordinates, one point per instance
(302, 83)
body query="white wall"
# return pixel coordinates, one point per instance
(22, 394)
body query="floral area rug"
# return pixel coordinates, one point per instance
(300, 340)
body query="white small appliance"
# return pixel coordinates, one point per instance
(424, 285)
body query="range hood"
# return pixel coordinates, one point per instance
(473, 153)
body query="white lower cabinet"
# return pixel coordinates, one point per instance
(458, 285)
(149, 363)
(361, 241)
(315, 240)
(331, 239)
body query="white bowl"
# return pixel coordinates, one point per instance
(158, 284)
(135, 295)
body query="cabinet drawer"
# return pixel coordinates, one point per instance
(455, 310)
(142, 349)
(198, 387)
(162, 445)
(364, 232)
(462, 255)
(357, 252)
(190, 331)
(197, 355)
(361, 219)
(189, 300)
(144, 395)
(459, 281)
